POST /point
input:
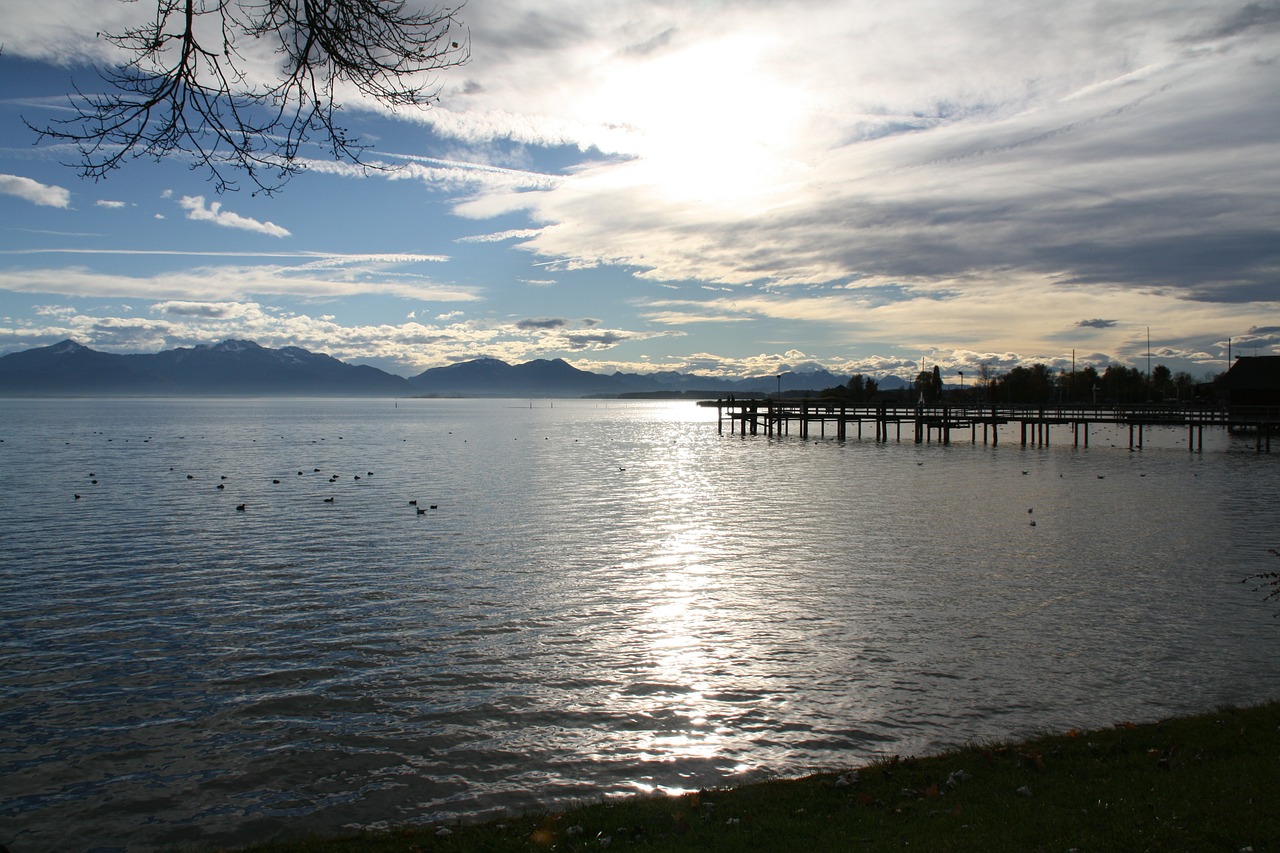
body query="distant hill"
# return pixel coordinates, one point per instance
(229, 368)
(557, 378)
(243, 368)
(489, 377)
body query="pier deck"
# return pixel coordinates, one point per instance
(753, 416)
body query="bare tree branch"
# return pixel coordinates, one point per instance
(187, 87)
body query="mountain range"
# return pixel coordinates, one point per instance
(244, 368)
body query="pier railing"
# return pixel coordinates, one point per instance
(752, 416)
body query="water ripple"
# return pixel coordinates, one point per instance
(606, 598)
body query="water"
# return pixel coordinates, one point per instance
(608, 598)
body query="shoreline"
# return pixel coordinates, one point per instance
(1205, 781)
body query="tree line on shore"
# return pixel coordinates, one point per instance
(1034, 384)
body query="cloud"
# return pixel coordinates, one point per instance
(230, 281)
(1096, 324)
(206, 310)
(545, 323)
(500, 236)
(34, 191)
(195, 207)
(907, 141)
(410, 345)
(111, 205)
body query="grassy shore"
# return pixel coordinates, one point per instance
(1208, 782)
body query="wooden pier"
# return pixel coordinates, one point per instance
(1031, 425)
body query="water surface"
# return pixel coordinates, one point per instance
(607, 598)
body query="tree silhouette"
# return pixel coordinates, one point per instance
(189, 85)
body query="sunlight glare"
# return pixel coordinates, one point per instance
(710, 123)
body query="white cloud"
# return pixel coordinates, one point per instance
(195, 207)
(500, 236)
(110, 205)
(1130, 143)
(218, 282)
(34, 191)
(412, 344)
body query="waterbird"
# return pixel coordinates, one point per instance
(433, 506)
(413, 503)
(328, 500)
(277, 482)
(239, 507)
(421, 511)
(221, 486)
(191, 476)
(77, 497)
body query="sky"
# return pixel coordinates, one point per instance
(728, 188)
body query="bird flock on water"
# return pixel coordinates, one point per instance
(224, 479)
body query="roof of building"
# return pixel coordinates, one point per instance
(1255, 373)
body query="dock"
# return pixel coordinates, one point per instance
(1030, 425)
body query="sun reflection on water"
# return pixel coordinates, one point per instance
(682, 632)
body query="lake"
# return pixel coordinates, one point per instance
(589, 598)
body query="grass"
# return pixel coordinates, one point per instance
(1208, 782)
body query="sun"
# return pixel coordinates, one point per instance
(710, 125)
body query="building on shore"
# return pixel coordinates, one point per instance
(1253, 381)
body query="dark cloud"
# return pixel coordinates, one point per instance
(580, 340)
(1264, 17)
(210, 310)
(1225, 267)
(1097, 324)
(542, 323)
(651, 45)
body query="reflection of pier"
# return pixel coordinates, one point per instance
(930, 423)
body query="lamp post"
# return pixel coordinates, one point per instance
(779, 386)
(961, 372)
